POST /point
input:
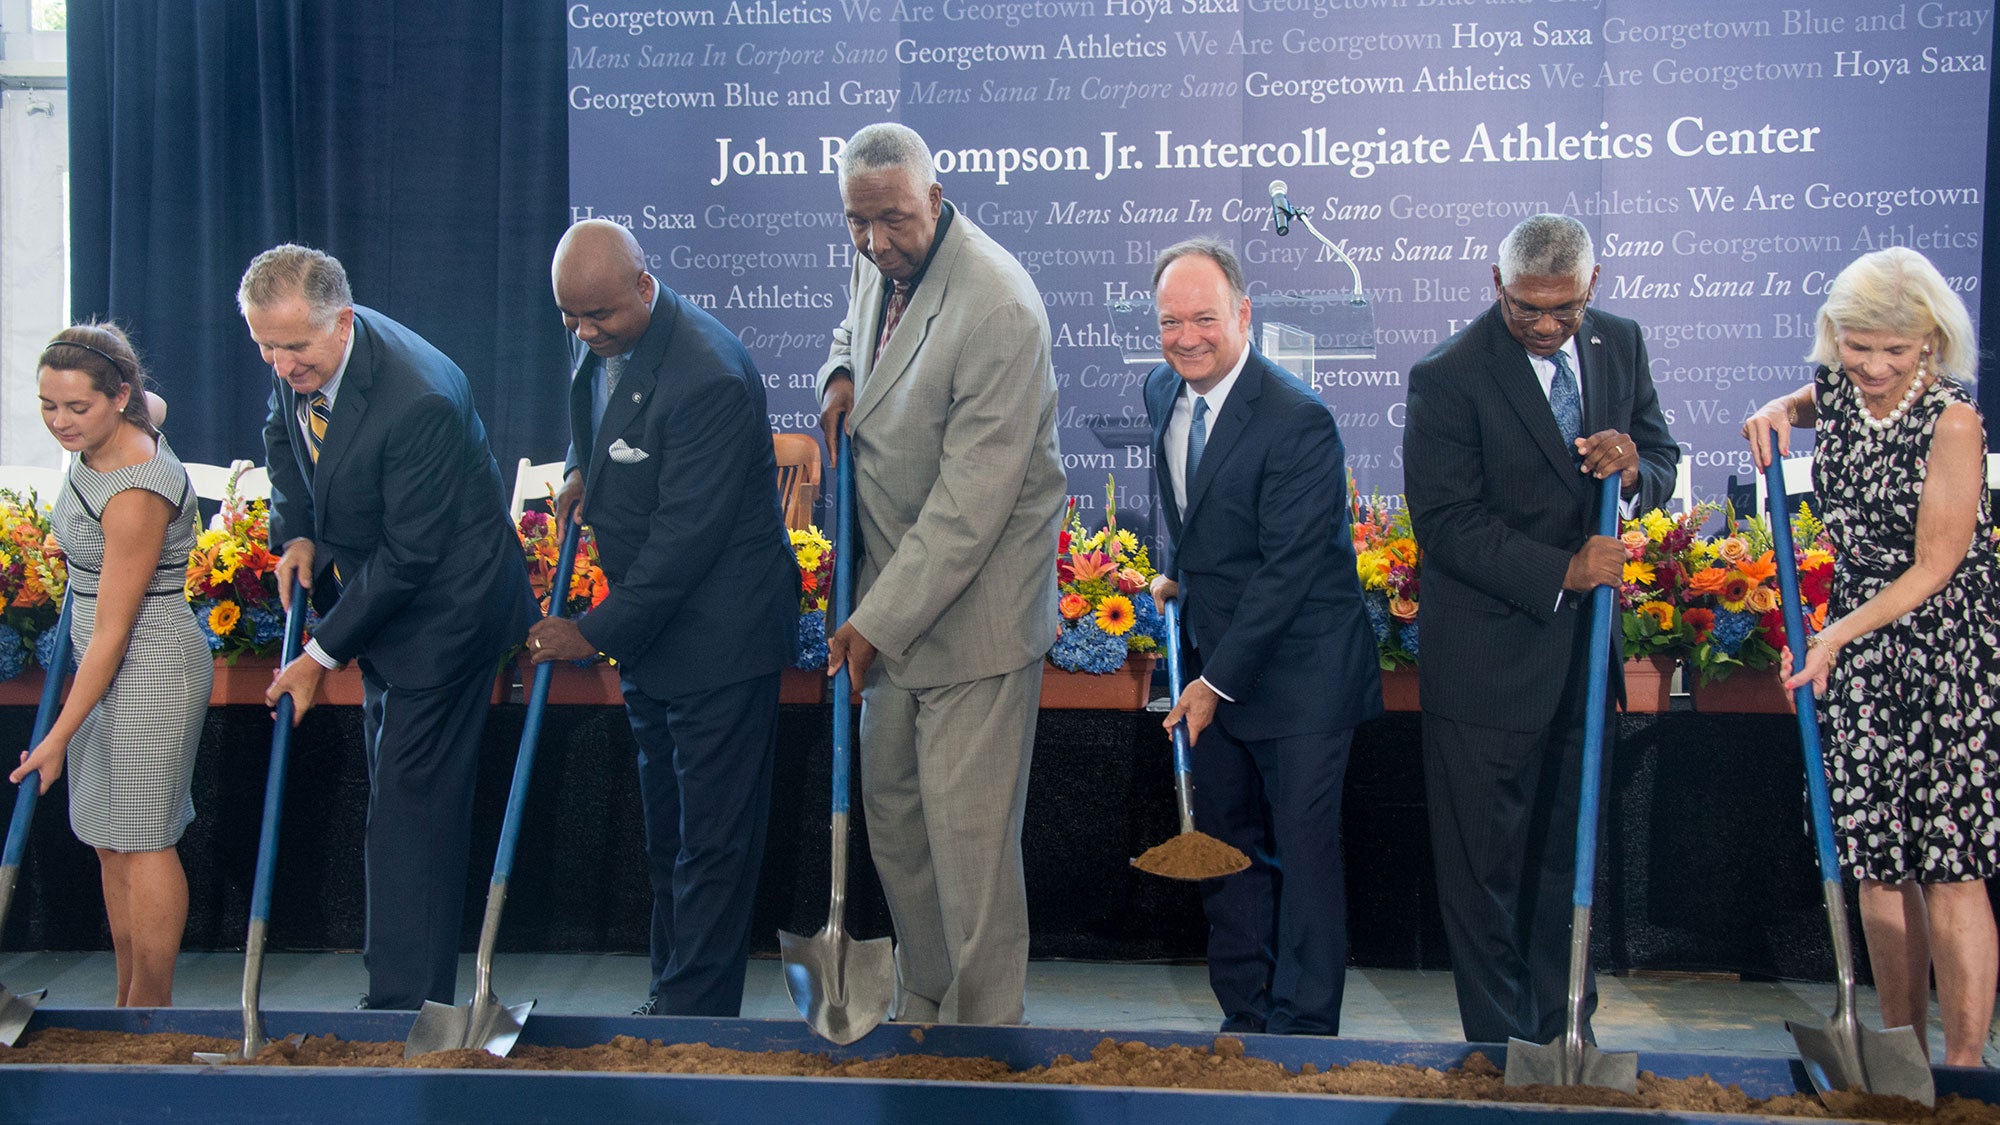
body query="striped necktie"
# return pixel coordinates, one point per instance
(1566, 402)
(898, 301)
(316, 413)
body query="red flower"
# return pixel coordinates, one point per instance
(1816, 584)
(1773, 624)
(1702, 621)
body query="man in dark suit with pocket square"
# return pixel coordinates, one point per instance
(386, 503)
(671, 465)
(1252, 479)
(1502, 461)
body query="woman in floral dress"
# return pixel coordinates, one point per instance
(1908, 666)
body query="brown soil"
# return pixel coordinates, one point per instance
(1222, 1067)
(1192, 855)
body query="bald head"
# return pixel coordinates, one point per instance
(602, 287)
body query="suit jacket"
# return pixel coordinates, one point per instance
(406, 502)
(958, 480)
(1499, 508)
(704, 585)
(1266, 555)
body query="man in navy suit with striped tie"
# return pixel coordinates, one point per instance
(1252, 481)
(1504, 446)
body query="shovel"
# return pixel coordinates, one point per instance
(1192, 855)
(16, 1009)
(267, 854)
(486, 1023)
(1571, 1061)
(1843, 1055)
(842, 987)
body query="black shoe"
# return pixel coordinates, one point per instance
(650, 1008)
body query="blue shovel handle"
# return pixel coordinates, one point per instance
(1802, 696)
(1603, 615)
(281, 750)
(844, 541)
(45, 717)
(531, 729)
(1182, 766)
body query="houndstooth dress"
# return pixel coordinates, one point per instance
(131, 765)
(1913, 762)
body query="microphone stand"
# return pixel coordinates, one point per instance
(1357, 296)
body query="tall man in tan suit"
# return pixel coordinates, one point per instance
(941, 372)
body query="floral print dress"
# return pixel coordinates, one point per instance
(1912, 759)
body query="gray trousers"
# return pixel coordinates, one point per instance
(944, 782)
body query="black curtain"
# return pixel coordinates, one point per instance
(424, 143)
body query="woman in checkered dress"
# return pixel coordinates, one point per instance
(126, 519)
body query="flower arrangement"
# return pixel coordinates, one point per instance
(231, 582)
(1103, 578)
(815, 557)
(33, 576)
(1388, 561)
(541, 542)
(1734, 600)
(1660, 553)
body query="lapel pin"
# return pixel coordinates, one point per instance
(635, 396)
(1594, 340)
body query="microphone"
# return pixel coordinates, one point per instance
(1281, 207)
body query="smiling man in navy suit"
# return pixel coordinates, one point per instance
(1502, 463)
(671, 465)
(1252, 479)
(386, 504)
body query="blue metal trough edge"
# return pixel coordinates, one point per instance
(99, 1095)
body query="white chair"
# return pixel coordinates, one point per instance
(254, 484)
(1682, 501)
(211, 482)
(1798, 480)
(1992, 471)
(23, 479)
(534, 482)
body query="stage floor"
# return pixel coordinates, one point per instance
(1634, 1013)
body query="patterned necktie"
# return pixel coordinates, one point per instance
(1566, 403)
(899, 300)
(1197, 440)
(614, 366)
(318, 412)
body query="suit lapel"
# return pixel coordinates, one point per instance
(348, 410)
(1227, 429)
(1515, 376)
(1595, 378)
(882, 372)
(635, 386)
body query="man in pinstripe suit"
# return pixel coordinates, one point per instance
(1502, 459)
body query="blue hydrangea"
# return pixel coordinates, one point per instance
(200, 610)
(1408, 635)
(1083, 647)
(1731, 627)
(1147, 620)
(266, 625)
(812, 640)
(13, 652)
(1377, 604)
(45, 650)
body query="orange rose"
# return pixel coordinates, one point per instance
(1073, 606)
(1762, 599)
(1403, 609)
(1635, 543)
(1733, 549)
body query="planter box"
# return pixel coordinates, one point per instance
(1648, 683)
(802, 686)
(24, 690)
(596, 685)
(1126, 689)
(1743, 692)
(243, 684)
(1399, 690)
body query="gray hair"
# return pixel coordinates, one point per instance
(1214, 249)
(1547, 246)
(290, 270)
(1898, 291)
(886, 144)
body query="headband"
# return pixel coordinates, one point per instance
(115, 365)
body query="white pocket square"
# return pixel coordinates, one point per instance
(625, 454)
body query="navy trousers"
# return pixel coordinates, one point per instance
(423, 758)
(705, 784)
(1277, 932)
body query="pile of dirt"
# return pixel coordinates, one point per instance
(1223, 1066)
(1192, 855)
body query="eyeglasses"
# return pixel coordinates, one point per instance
(1569, 316)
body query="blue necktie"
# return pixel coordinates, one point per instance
(1566, 403)
(1197, 441)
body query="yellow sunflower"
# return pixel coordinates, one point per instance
(1115, 616)
(223, 618)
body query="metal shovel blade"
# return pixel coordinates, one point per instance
(1839, 1057)
(1550, 1064)
(485, 1024)
(842, 987)
(239, 1053)
(16, 1011)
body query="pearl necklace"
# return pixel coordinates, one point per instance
(1910, 396)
